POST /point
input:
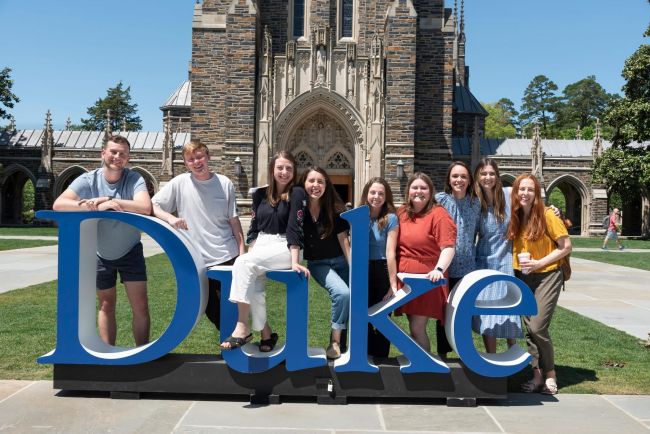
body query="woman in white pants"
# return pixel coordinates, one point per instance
(275, 238)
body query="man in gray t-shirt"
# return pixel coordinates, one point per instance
(115, 187)
(206, 208)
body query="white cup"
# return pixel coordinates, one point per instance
(525, 256)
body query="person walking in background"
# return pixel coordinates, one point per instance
(426, 245)
(206, 208)
(275, 238)
(115, 187)
(382, 266)
(612, 230)
(327, 249)
(465, 209)
(494, 252)
(540, 240)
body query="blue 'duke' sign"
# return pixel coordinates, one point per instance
(78, 342)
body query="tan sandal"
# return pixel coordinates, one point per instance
(549, 387)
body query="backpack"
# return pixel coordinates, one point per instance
(606, 222)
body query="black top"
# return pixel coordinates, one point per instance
(283, 218)
(317, 248)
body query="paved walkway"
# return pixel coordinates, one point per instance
(35, 407)
(26, 267)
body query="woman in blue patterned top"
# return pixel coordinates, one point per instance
(464, 208)
(382, 268)
(494, 252)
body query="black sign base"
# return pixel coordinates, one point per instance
(209, 374)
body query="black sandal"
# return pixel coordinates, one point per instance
(267, 345)
(236, 342)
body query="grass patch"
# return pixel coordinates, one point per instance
(33, 231)
(598, 243)
(23, 244)
(634, 260)
(586, 351)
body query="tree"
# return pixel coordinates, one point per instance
(498, 124)
(7, 98)
(630, 115)
(583, 102)
(509, 107)
(540, 102)
(118, 101)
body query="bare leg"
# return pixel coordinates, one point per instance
(106, 316)
(511, 342)
(241, 329)
(490, 343)
(136, 292)
(418, 328)
(336, 336)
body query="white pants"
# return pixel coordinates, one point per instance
(270, 252)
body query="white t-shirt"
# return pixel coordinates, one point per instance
(207, 207)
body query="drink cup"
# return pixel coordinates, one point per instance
(523, 257)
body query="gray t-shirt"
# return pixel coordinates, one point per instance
(114, 238)
(207, 206)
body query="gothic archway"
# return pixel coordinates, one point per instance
(149, 179)
(576, 199)
(65, 178)
(12, 185)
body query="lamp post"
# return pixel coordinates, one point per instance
(400, 169)
(237, 166)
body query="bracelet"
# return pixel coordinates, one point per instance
(440, 269)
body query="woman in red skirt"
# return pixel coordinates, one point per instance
(427, 237)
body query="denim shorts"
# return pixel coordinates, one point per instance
(130, 266)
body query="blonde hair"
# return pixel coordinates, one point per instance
(193, 146)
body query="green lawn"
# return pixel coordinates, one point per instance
(598, 242)
(23, 244)
(634, 260)
(34, 231)
(584, 348)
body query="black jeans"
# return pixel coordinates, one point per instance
(213, 308)
(378, 286)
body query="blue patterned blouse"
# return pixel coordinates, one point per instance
(465, 213)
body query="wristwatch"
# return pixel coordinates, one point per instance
(440, 269)
(110, 198)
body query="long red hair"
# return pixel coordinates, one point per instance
(535, 226)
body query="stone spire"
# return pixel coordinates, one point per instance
(124, 125)
(47, 143)
(168, 146)
(578, 133)
(108, 130)
(68, 124)
(12, 125)
(597, 148)
(537, 158)
(456, 17)
(462, 17)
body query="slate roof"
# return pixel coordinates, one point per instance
(521, 147)
(140, 140)
(181, 97)
(465, 102)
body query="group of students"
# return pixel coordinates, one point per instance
(474, 223)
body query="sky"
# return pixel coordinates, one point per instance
(64, 55)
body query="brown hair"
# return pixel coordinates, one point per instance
(448, 188)
(330, 201)
(388, 206)
(193, 146)
(272, 195)
(536, 224)
(120, 140)
(408, 208)
(499, 205)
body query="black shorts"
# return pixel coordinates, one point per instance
(130, 266)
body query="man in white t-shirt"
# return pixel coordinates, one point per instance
(206, 208)
(115, 187)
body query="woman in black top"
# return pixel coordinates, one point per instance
(327, 249)
(275, 238)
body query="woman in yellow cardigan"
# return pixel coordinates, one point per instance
(539, 242)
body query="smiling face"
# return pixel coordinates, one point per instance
(115, 156)
(487, 177)
(459, 181)
(282, 173)
(315, 185)
(376, 197)
(197, 163)
(419, 194)
(526, 194)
